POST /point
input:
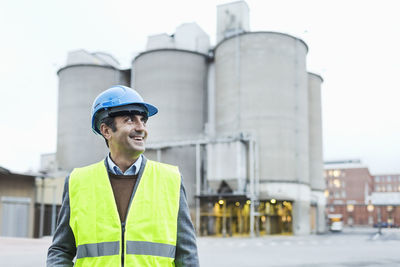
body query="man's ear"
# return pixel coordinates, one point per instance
(105, 131)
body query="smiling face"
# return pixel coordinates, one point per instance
(128, 139)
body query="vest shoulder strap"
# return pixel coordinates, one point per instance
(164, 167)
(87, 170)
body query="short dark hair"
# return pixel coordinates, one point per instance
(110, 122)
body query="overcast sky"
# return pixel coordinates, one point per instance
(353, 45)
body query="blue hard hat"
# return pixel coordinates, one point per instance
(118, 96)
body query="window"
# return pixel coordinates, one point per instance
(377, 179)
(377, 188)
(389, 178)
(389, 187)
(336, 182)
(336, 173)
(327, 193)
(337, 194)
(343, 194)
(343, 184)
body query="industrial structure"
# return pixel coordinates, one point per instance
(241, 119)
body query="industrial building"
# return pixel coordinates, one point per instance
(242, 120)
(361, 198)
(29, 202)
(17, 200)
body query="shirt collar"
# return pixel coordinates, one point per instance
(132, 170)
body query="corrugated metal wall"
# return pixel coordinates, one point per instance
(17, 196)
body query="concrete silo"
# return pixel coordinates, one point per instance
(80, 81)
(261, 89)
(175, 81)
(317, 181)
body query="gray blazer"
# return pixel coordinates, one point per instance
(63, 249)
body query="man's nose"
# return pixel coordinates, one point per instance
(140, 125)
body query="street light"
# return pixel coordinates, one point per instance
(350, 208)
(370, 208)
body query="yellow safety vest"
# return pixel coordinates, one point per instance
(150, 232)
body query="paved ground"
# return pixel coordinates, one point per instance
(18, 252)
(354, 247)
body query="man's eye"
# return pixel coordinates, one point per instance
(128, 119)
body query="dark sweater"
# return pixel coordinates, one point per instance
(122, 186)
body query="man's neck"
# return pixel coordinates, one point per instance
(123, 163)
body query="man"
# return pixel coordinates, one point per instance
(125, 210)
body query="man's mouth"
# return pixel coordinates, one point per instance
(137, 138)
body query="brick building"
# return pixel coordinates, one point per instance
(386, 196)
(386, 183)
(361, 198)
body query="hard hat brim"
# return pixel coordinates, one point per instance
(151, 110)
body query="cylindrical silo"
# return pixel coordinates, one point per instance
(261, 88)
(317, 181)
(175, 81)
(80, 81)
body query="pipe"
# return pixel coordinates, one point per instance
(53, 211)
(198, 174)
(252, 197)
(41, 219)
(159, 155)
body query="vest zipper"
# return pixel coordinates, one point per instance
(123, 224)
(123, 243)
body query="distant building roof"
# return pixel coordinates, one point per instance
(342, 161)
(344, 164)
(81, 56)
(7, 172)
(386, 174)
(4, 170)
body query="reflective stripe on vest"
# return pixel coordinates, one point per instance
(149, 248)
(97, 249)
(151, 224)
